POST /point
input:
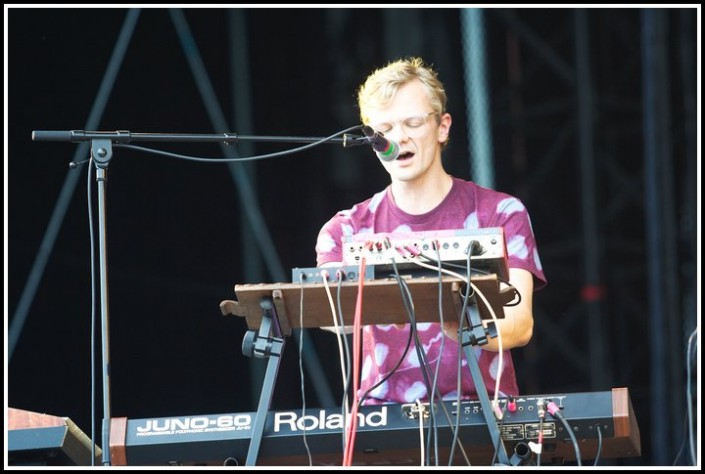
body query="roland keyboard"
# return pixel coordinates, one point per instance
(386, 434)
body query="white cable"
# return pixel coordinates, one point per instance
(338, 334)
(421, 437)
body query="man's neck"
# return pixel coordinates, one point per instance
(424, 194)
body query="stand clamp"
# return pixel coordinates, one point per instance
(266, 342)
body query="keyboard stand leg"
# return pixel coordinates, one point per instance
(477, 335)
(267, 342)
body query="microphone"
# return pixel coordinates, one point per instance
(387, 150)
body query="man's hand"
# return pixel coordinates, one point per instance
(450, 329)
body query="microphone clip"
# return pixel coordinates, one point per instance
(387, 150)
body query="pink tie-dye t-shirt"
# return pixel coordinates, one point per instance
(467, 206)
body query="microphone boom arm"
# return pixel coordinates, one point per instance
(229, 138)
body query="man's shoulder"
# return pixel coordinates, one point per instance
(361, 209)
(481, 191)
(370, 204)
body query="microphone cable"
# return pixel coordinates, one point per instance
(229, 160)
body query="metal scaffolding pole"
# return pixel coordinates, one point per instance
(472, 29)
(599, 369)
(247, 194)
(663, 308)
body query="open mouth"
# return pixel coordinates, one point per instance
(405, 155)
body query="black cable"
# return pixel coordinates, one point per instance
(432, 395)
(407, 300)
(555, 411)
(405, 296)
(301, 368)
(455, 428)
(474, 271)
(423, 367)
(423, 362)
(228, 160)
(461, 325)
(599, 445)
(453, 265)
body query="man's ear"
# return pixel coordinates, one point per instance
(444, 128)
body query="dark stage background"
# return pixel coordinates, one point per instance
(592, 121)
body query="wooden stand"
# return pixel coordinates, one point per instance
(305, 305)
(382, 302)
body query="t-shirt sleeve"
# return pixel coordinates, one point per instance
(522, 250)
(329, 241)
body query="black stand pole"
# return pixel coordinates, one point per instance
(476, 334)
(102, 152)
(267, 342)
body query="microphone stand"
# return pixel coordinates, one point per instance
(102, 152)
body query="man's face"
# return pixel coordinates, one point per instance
(410, 121)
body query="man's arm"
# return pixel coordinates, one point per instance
(517, 326)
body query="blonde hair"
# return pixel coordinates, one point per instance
(381, 86)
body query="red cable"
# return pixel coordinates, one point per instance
(351, 428)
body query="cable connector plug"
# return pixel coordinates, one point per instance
(511, 404)
(554, 409)
(541, 408)
(498, 413)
